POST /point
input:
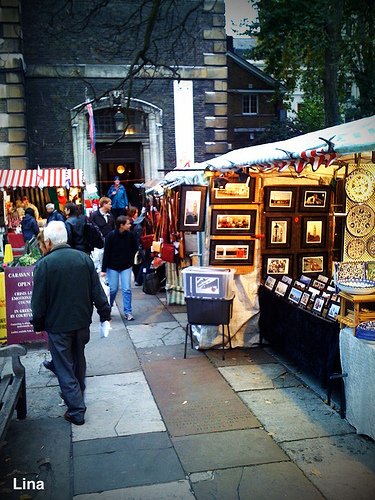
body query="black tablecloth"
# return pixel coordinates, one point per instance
(307, 339)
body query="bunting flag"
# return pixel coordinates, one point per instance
(68, 182)
(91, 125)
(40, 178)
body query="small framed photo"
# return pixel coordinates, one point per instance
(313, 233)
(327, 297)
(270, 283)
(318, 284)
(305, 279)
(323, 279)
(235, 252)
(281, 288)
(331, 289)
(314, 199)
(278, 232)
(233, 222)
(228, 191)
(206, 285)
(318, 305)
(287, 279)
(279, 199)
(275, 264)
(336, 298)
(313, 292)
(192, 208)
(305, 298)
(299, 285)
(295, 295)
(313, 263)
(333, 310)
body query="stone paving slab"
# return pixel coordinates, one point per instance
(114, 463)
(156, 334)
(294, 413)
(118, 405)
(37, 450)
(146, 308)
(162, 353)
(193, 398)
(178, 490)
(342, 467)
(219, 450)
(240, 356)
(253, 377)
(269, 481)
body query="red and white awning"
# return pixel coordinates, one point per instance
(46, 177)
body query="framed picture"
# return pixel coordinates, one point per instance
(278, 232)
(270, 283)
(323, 279)
(313, 232)
(274, 264)
(314, 199)
(313, 263)
(318, 305)
(235, 252)
(313, 292)
(305, 279)
(335, 298)
(230, 191)
(192, 208)
(287, 279)
(206, 285)
(299, 285)
(279, 199)
(318, 284)
(305, 298)
(233, 222)
(370, 271)
(281, 288)
(333, 310)
(327, 297)
(295, 295)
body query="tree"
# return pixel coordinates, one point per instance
(303, 41)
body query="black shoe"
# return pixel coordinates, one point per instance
(70, 419)
(49, 365)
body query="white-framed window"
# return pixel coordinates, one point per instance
(249, 104)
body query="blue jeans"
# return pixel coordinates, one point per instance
(113, 281)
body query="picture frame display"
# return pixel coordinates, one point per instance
(192, 212)
(313, 232)
(270, 283)
(287, 279)
(235, 252)
(314, 198)
(333, 310)
(305, 298)
(230, 191)
(277, 265)
(207, 285)
(233, 222)
(279, 198)
(278, 232)
(305, 279)
(313, 263)
(281, 288)
(318, 305)
(295, 295)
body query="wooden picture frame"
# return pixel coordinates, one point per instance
(233, 222)
(314, 198)
(280, 198)
(229, 191)
(232, 252)
(270, 283)
(277, 265)
(312, 264)
(313, 232)
(278, 232)
(192, 212)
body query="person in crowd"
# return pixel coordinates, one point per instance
(132, 213)
(119, 250)
(117, 194)
(29, 225)
(104, 220)
(75, 237)
(62, 305)
(41, 243)
(53, 213)
(27, 204)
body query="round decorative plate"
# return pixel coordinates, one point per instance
(356, 248)
(360, 220)
(360, 185)
(371, 246)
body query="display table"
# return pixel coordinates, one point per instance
(307, 339)
(356, 308)
(358, 361)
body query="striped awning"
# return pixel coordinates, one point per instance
(46, 177)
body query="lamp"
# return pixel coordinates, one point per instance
(120, 169)
(119, 121)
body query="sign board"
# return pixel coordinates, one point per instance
(18, 290)
(3, 314)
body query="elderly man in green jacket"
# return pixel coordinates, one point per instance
(66, 286)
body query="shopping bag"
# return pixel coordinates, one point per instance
(104, 329)
(151, 283)
(137, 259)
(105, 288)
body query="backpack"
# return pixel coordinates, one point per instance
(88, 233)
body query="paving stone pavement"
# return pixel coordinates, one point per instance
(158, 427)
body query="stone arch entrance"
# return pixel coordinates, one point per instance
(135, 156)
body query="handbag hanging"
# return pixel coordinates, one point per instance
(167, 252)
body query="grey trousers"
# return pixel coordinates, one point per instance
(68, 354)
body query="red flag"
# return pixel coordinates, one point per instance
(91, 126)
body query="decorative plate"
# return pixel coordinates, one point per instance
(360, 220)
(356, 248)
(357, 287)
(371, 245)
(360, 185)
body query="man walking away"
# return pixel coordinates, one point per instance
(66, 286)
